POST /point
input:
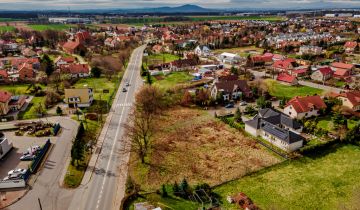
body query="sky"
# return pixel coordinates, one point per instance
(239, 4)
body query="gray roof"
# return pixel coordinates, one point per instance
(269, 120)
(280, 133)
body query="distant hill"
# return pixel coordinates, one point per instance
(188, 8)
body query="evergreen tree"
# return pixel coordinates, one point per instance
(164, 193)
(184, 188)
(237, 115)
(149, 80)
(96, 72)
(47, 65)
(59, 111)
(176, 188)
(353, 136)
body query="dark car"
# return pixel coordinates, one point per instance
(228, 106)
(124, 90)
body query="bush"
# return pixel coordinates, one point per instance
(91, 116)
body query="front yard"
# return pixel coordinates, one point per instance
(160, 58)
(242, 51)
(280, 91)
(325, 181)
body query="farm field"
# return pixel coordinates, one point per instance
(279, 90)
(242, 51)
(263, 18)
(57, 27)
(324, 181)
(181, 145)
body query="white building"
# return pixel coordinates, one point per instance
(203, 51)
(230, 58)
(310, 50)
(5, 145)
(304, 107)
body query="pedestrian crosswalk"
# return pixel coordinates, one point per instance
(123, 105)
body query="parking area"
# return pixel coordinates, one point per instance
(20, 144)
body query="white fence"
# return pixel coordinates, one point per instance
(16, 183)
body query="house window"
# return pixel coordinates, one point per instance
(289, 113)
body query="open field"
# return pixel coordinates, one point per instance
(325, 181)
(242, 51)
(191, 143)
(263, 18)
(279, 90)
(6, 28)
(173, 79)
(57, 27)
(160, 58)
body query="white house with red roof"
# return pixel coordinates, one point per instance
(304, 107)
(284, 65)
(76, 70)
(342, 70)
(322, 74)
(61, 60)
(5, 98)
(350, 99)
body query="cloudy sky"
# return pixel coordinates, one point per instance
(94, 4)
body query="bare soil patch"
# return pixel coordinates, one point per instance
(192, 144)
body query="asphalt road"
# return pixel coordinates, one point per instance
(107, 185)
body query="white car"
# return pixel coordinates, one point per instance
(17, 171)
(32, 150)
(243, 103)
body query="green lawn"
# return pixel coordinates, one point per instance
(75, 174)
(57, 27)
(322, 182)
(326, 123)
(6, 28)
(160, 58)
(173, 79)
(242, 51)
(31, 112)
(279, 90)
(98, 84)
(351, 123)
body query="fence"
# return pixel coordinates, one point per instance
(40, 155)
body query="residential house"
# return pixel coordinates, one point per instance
(231, 89)
(260, 60)
(17, 102)
(304, 107)
(202, 51)
(4, 76)
(230, 58)
(322, 74)
(350, 99)
(310, 50)
(351, 47)
(79, 97)
(342, 70)
(287, 79)
(76, 70)
(183, 64)
(26, 72)
(284, 65)
(61, 60)
(5, 98)
(277, 128)
(73, 47)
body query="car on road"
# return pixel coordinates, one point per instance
(243, 103)
(228, 106)
(127, 84)
(124, 90)
(27, 157)
(17, 171)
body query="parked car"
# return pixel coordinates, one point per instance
(228, 106)
(124, 90)
(27, 157)
(13, 176)
(243, 103)
(17, 171)
(32, 150)
(127, 84)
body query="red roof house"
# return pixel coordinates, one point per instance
(350, 47)
(350, 99)
(287, 78)
(304, 107)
